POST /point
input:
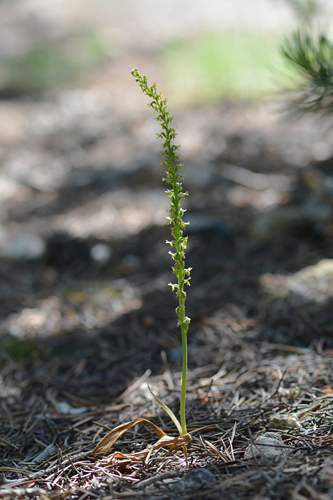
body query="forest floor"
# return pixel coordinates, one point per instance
(87, 321)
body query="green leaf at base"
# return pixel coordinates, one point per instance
(168, 412)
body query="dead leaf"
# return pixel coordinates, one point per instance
(140, 455)
(327, 389)
(113, 459)
(108, 441)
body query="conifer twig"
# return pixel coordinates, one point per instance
(311, 57)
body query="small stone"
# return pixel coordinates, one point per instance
(314, 282)
(23, 247)
(280, 421)
(268, 446)
(101, 253)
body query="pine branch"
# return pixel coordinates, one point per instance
(305, 10)
(311, 57)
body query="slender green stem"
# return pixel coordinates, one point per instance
(183, 382)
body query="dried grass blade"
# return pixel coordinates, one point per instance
(233, 432)
(226, 450)
(231, 450)
(113, 459)
(215, 450)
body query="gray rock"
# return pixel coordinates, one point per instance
(267, 447)
(25, 246)
(313, 284)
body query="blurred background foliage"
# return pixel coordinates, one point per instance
(232, 65)
(54, 64)
(229, 63)
(238, 64)
(21, 349)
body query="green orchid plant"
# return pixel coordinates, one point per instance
(175, 220)
(177, 245)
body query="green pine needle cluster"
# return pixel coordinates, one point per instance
(175, 194)
(311, 57)
(305, 10)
